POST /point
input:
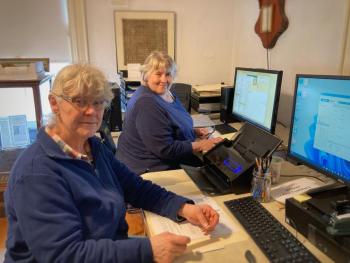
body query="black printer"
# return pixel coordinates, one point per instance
(228, 166)
(325, 220)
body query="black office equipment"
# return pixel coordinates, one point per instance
(319, 138)
(225, 107)
(256, 97)
(113, 114)
(183, 92)
(205, 104)
(277, 243)
(228, 166)
(313, 218)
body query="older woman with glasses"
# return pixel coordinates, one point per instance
(158, 132)
(66, 196)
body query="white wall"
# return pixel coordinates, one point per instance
(34, 28)
(203, 36)
(213, 37)
(313, 42)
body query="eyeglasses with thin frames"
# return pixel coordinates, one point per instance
(83, 104)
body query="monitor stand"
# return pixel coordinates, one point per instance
(224, 128)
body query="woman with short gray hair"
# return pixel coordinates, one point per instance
(66, 195)
(158, 132)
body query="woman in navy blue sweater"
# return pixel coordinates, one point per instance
(66, 196)
(158, 132)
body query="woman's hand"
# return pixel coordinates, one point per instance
(205, 145)
(201, 215)
(202, 133)
(166, 246)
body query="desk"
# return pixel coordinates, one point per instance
(178, 181)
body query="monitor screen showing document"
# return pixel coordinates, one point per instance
(256, 96)
(320, 124)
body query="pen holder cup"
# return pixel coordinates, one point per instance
(261, 187)
(275, 168)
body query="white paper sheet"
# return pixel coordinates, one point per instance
(223, 228)
(292, 188)
(134, 70)
(201, 120)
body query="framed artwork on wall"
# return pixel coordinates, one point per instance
(138, 33)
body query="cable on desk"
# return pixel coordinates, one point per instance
(305, 175)
(282, 124)
(282, 151)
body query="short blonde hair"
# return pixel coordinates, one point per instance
(157, 60)
(82, 80)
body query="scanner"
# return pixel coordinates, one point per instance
(228, 166)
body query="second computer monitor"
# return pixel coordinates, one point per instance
(319, 135)
(256, 96)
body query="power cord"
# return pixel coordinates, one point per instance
(267, 59)
(304, 175)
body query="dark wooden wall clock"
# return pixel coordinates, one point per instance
(272, 22)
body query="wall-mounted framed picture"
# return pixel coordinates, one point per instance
(138, 33)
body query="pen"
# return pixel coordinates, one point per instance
(250, 257)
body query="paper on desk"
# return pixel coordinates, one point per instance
(184, 188)
(202, 120)
(207, 90)
(292, 188)
(223, 228)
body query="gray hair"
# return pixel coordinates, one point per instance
(81, 80)
(157, 60)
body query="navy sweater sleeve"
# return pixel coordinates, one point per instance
(44, 198)
(155, 130)
(144, 194)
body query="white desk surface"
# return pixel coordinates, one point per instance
(236, 244)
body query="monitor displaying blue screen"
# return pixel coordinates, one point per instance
(256, 96)
(320, 126)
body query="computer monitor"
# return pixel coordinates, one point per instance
(256, 96)
(320, 125)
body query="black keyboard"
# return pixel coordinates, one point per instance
(277, 243)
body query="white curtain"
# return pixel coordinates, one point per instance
(78, 31)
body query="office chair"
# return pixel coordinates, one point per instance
(106, 137)
(183, 93)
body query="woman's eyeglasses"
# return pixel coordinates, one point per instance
(83, 104)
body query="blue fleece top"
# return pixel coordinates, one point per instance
(61, 209)
(156, 135)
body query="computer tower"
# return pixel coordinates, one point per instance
(226, 100)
